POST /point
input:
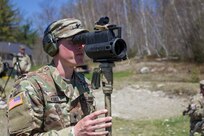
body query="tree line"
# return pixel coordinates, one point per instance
(159, 28)
(11, 27)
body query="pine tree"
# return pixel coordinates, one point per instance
(9, 20)
(27, 35)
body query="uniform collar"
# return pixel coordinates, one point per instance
(66, 87)
(60, 83)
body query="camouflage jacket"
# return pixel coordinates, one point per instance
(1, 65)
(43, 103)
(24, 62)
(195, 110)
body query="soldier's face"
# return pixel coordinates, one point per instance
(22, 50)
(70, 53)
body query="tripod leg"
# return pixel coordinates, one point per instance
(107, 72)
(19, 70)
(3, 93)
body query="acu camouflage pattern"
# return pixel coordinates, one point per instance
(50, 106)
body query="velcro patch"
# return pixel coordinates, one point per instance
(13, 102)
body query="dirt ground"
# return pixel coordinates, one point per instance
(133, 101)
(136, 103)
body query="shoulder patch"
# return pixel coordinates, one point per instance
(15, 101)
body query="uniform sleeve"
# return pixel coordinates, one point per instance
(28, 64)
(25, 113)
(198, 112)
(196, 107)
(1, 65)
(14, 61)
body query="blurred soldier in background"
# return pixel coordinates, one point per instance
(4, 67)
(3, 104)
(1, 65)
(195, 111)
(2, 94)
(21, 61)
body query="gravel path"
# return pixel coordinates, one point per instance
(135, 103)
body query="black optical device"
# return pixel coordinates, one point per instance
(105, 43)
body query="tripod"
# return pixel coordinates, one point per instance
(18, 73)
(106, 69)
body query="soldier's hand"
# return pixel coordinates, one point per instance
(89, 125)
(193, 106)
(184, 112)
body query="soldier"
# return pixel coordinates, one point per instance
(23, 61)
(56, 100)
(2, 93)
(195, 110)
(1, 75)
(1, 66)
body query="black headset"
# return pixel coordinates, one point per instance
(50, 44)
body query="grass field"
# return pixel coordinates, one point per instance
(177, 126)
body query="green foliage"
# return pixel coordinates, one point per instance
(10, 28)
(8, 21)
(33, 68)
(122, 74)
(162, 52)
(195, 75)
(199, 51)
(26, 35)
(119, 75)
(197, 40)
(88, 76)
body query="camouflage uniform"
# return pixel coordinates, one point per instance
(1, 65)
(1, 70)
(43, 103)
(195, 110)
(24, 63)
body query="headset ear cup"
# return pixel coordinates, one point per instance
(50, 45)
